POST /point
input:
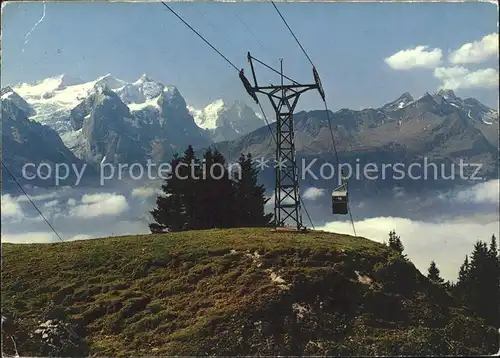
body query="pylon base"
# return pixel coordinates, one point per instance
(289, 229)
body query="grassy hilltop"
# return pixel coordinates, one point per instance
(234, 292)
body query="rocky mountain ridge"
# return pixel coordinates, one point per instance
(111, 121)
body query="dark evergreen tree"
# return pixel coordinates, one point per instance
(493, 250)
(249, 196)
(477, 274)
(395, 242)
(188, 175)
(481, 291)
(216, 193)
(463, 274)
(204, 195)
(170, 212)
(494, 277)
(225, 192)
(478, 284)
(177, 208)
(459, 288)
(433, 273)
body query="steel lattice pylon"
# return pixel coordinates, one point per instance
(284, 98)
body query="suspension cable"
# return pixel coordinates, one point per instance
(196, 32)
(331, 132)
(251, 32)
(262, 110)
(337, 159)
(295, 37)
(236, 68)
(215, 28)
(324, 101)
(31, 201)
(266, 50)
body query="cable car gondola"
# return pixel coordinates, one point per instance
(340, 205)
(339, 201)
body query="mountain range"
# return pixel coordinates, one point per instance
(440, 128)
(111, 121)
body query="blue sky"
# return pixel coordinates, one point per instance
(348, 42)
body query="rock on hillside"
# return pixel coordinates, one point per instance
(235, 292)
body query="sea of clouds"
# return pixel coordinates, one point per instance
(435, 226)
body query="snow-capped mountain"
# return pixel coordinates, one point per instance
(8, 93)
(399, 103)
(207, 117)
(475, 110)
(443, 102)
(226, 122)
(113, 119)
(25, 141)
(53, 99)
(140, 92)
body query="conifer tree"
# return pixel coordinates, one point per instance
(249, 196)
(463, 274)
(494, 277)
(188, 174)
(206, 196)
(170, 213)
(481, 290)
(395, 242)
(216, 192)
(494, 248)
(434, 273)
(225, 191)
(478, 285)
(177, 208)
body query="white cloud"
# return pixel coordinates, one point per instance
(80, 237)
(415, 58)
(488, 192)
(40, 237)
(10, 207)
(97, 197)
(446, 242)
(473, 215)
(460, 77)
(40, 197)
(313, 193)
(477, 51)
(30, 238)
(100, 204)
(145, 192)
(51, 203)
